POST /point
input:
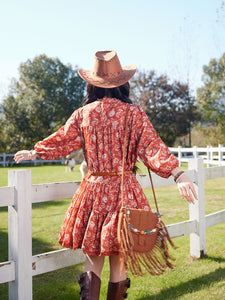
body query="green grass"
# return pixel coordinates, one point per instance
(204, 278)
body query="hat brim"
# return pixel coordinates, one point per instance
(108, 81)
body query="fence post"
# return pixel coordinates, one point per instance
(197, 210)
(20, 235)
(195, 151)
(4, 160)
(208, 156)
(220, 154)
(211, 153)
(179, 155)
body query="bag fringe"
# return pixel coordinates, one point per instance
(155, 261)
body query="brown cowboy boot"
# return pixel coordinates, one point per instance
(117, 290)
(89, 286)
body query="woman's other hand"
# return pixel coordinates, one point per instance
(185, 185)
(25, 155)
(186, 188)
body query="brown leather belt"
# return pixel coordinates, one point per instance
(108, 173)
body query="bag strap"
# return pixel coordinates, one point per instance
(153, 190)
(123, 165)
(124, 153)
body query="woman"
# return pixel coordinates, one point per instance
(98, 127)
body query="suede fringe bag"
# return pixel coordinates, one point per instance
(142, 235)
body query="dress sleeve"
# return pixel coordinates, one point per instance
(61, 143)
(151, 149)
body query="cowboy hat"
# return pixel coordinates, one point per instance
(107, 71)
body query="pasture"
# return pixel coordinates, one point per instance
(189, 280)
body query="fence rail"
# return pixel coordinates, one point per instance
(6, 160)
(20, 194)
(211, 156)
(207, 153)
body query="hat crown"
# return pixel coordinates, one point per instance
(107, 71)
(107, 64)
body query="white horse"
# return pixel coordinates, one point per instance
(83, 168)
(70, 163)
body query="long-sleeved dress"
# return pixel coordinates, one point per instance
(91, 220)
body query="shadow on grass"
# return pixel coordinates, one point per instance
(54, 203)
(3, 246)
(38, 246)
(59, 284)
(190, 286)
(214, 258)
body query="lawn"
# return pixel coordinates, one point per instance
(198, 279)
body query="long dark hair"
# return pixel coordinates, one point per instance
(94, 93)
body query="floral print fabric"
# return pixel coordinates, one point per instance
(91, 220)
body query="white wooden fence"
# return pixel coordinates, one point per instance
(211, 156)
(20, 194)
(6, 160)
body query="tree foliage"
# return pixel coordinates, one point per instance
(40, 102)
(169, 106)
(211, 96)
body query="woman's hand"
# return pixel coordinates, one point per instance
(185, 186)
(25, 155)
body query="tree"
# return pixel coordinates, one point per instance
(211, 96)
(2, 141)
(40, 102)
(16, 128)
(169, 106)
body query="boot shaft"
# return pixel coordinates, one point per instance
(118, 290)
(89, 286)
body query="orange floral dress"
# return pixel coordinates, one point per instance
(91, 220)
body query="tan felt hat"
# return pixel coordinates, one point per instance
(107, 71)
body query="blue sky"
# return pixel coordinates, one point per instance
(176, 37)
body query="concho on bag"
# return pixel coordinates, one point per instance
(143, 237)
